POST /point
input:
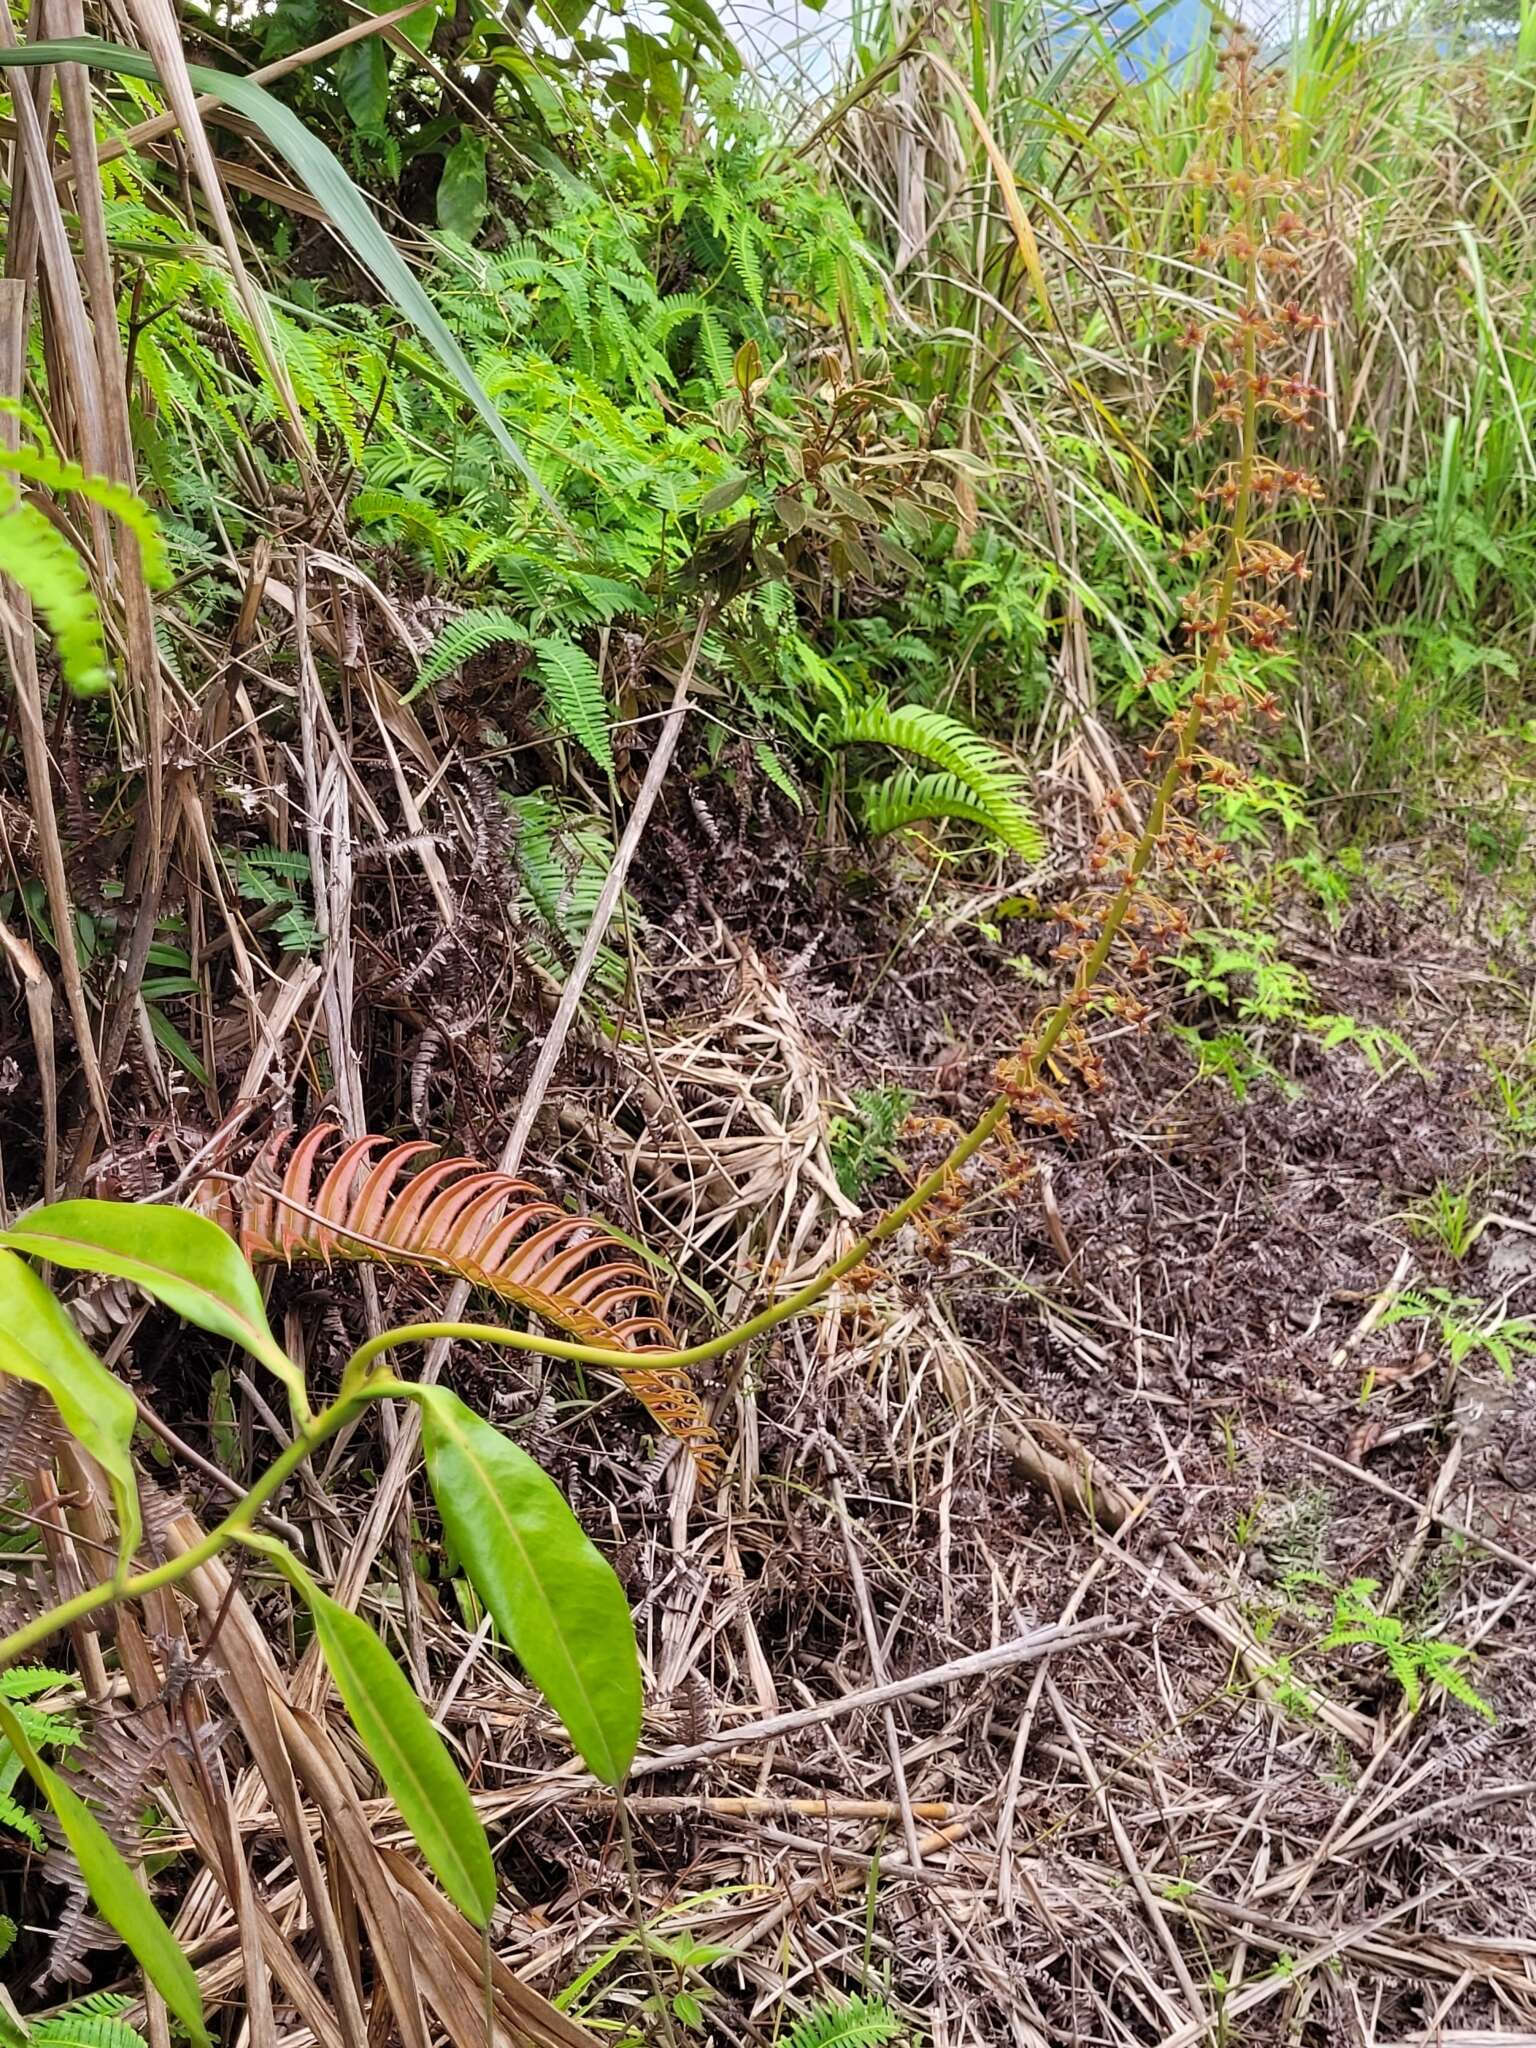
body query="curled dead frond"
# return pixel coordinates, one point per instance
(378, 1203)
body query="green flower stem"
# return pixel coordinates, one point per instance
(714, 1347)
(234, 1525)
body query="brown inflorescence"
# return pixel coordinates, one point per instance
(1249, 360)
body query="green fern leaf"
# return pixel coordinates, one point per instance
(50, 472)
(749, 266)
(715, 348)
(1443, 1673)
(573, 696)
(75, 2029)
(594, 600)
(23, 1823)
(994, 784)
(777, 773)
(26, 1681)
(858, 2023)
(44, 1729)
(169, 658)
(563, 860)
(36, 555)
(911, 798)
(471, 633)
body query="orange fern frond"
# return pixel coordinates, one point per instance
(459, 1218)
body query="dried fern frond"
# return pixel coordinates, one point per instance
(29, 1431)
(457, 1217)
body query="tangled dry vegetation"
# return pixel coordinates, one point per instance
(988, 1681)
(1103, 1620)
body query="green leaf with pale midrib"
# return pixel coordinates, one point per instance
(40, 1344)
(411, 1756)
(180, 1258)
(552, 1594)
(114, 1889)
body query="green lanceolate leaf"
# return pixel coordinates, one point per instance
(323, 176)
(115, 1891)
(552, 1594)
(184, 1260)
(410, 1755)
(362, 78)
(39, 1343)
(461, 191)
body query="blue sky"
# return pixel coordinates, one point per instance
(799, 46)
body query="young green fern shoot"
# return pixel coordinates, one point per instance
(1416, 1664)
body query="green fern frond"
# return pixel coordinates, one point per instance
(26, 1681)
(777, 773)
(573, 696)
(671, 313)
(50, 473)
(993, 784)
(440, 534)
(910, 797)
(563, 860)
(856, 2023)
(312, 364)
(749, 266)
(21, 1822)
(1409, 1307)
(44, 1729)
(81, 2028)
(594, 600)
(1443, 1673)
(715, 348)
(36, 555)
(170, 661)
(471, 633)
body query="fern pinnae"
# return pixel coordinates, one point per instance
(470, 634)
(28, 1681)
(911, 798)
(993, 786)
(91, 2022)
(845, 2023)
(573, 696)
(563, 860)
(35, 555)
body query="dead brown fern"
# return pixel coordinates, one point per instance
(459, 1218)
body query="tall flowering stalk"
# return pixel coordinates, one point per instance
(1237, 602)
